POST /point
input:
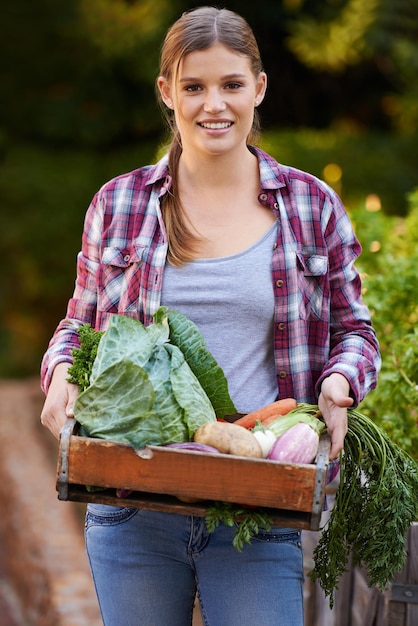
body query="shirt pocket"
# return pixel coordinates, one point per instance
(119, 279)
(313, 286)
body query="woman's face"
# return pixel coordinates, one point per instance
(213, 99)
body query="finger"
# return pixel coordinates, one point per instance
(337, 434)
(337, 444)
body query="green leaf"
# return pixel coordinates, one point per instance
(119, 406)
(142, 390)
(186, 335)
(127, 338)
(189, 393)
(83, 357)
(376, 502)
(248, 522)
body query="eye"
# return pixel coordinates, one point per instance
(233, 85)
(192, 88)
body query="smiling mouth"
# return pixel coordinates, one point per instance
(215, 125)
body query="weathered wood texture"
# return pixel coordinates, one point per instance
(159, 477)
(403, 604)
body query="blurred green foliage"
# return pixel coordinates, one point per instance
(370, 163)
(374, 39)
(391, 291)
(82, 72)
(44, 194)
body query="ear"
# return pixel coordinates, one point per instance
(165, 91)
(261, 87)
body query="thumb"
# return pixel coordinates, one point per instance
(72, 396)
(345, 402)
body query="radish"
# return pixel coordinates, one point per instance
(299, 444)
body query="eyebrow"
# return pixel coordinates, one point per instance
(187, 79)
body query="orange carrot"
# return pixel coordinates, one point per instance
(272, 418)
(277, 408)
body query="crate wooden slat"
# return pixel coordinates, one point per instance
(159, 476)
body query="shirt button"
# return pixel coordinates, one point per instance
(279, 283)
(263, 197)
(282, 374)
(126, 258)
(281, 326)
(275, 206)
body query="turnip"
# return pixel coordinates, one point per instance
(299, 444)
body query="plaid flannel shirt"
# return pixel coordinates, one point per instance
(321, 324)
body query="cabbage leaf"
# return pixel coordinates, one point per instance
(185, 334)
(142, 389)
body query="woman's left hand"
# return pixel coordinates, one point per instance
(333, 402)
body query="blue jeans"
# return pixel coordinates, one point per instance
(147, 567)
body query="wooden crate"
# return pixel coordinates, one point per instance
(158, 477)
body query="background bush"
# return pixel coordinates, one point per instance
(391, 291)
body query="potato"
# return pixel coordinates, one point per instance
(229, 439)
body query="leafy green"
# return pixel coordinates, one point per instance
(83, 357)
(127, 418)
(142, 391)
(185, 334)
(376, 502)
(248, 522)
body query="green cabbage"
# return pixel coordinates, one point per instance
(143, 389)
(186, 335)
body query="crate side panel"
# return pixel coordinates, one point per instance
(215, 477)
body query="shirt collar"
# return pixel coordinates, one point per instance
(272, 174)
(159, 171)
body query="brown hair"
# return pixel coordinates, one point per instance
(197, 29)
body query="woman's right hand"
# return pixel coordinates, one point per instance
(59, 403)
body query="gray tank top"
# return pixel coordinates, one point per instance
(231, 301)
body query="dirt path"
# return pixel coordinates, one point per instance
(41, 538)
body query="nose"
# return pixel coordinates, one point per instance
(214, 102)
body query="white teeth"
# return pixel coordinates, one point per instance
(215, 125)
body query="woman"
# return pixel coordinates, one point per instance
(260, 256)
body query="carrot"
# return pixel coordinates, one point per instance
(277, 408)
(272, 418)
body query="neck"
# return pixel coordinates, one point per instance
(218, 171)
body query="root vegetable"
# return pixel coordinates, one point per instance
(276, 409)
(229, 439)
(299, 444)
(193, 447)
(266, 439)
